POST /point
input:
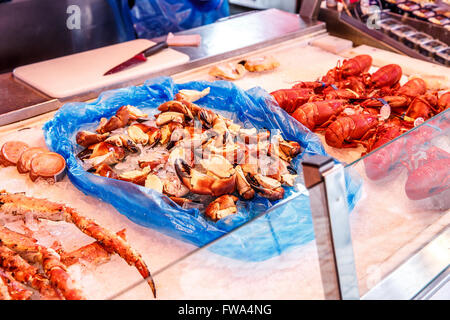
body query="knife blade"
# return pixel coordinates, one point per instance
(139, 58)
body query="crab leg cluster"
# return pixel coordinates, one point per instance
(19, 251)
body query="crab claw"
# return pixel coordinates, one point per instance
(103, 153)
(132, 113)
(176, 106)
(222, 207)
(243, 187)
(112, 124)
(290, 148)
(207, 118)
(169, 116)
(191, 95)
(105, 170)
(215, 182)
(123, 117)
(136, 176)
(121, 140)
(267, 187)
(86, 138)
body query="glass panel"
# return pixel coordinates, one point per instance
(405, 199)
(243, 265)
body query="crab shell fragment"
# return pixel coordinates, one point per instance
(259, 64)
(228, 71)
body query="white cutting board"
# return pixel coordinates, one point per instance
(83, 72)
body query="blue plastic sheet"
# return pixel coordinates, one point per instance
(290, 224)
(153, 18)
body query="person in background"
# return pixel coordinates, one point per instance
(154, 18)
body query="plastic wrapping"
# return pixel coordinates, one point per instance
(252, 108)
(153, 18)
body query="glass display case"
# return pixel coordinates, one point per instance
(399, 232)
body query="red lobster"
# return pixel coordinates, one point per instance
(347, 131)
(385, 79)
(383, 162)
(444, 101)
(319, 113)
(430, 177)
(355, 66)
(401, 98)
(290, 99)
(424, 106)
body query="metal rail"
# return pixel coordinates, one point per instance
(326, 185)
(423, 273)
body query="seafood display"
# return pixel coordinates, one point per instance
(39, 163)
(196, 157)
(235, 71)
(28, 268)
(352, 107)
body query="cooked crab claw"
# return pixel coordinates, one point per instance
(121, 140)
(105, 170)
(176, 106)
(244, 188)
(191, 95)
(290, 148)
(133, 113)
(267, 187)
(86, 138)
(207, 118)
(215, 182)
(169, 116)
(104, 152)
(123, 117)
(135, 176)
(284, 149)
(222, 207)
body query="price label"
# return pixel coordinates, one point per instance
(418, 121)
(385, 112)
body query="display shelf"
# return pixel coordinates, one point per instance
(381, 240)
(387, 228)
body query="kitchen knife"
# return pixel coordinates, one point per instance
(139, 58)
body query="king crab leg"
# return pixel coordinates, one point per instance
(26, 273)
(93, 253)
(18, 204)
(10, 289)
(48, 258)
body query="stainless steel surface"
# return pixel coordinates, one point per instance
(438, 289)
(414, 275)
(310, 9)
(326, 186)
(286, 5)
(15, 95)
(29, 112)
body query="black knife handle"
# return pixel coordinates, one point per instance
(155, 48)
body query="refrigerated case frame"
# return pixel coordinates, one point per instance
(397, 278)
